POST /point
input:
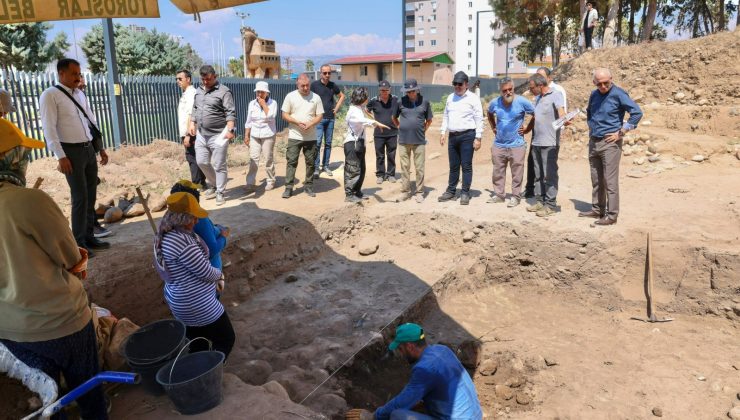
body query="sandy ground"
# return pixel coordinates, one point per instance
(548, 301)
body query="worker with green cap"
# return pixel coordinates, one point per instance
(438, 380)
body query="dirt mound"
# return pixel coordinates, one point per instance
(690, 72)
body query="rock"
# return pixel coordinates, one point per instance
(476, 231)
(694, 127)
(736, 309)
(108, 201)
(646, 123)
(653, 148)
(274, 388)
(291, 278)
(330, 404)
(368, 246)
(136, 209)
(523, 399)
(734, 414)
(654, 158)
(737, 154)
(504, 392)
(644, 137)
(101, 209)
(679, 96)
(702, 102)
(113, 215)
(434, 155)
(550, 361)
(159, 204)
(254, 372)
(468, 236)
(627, 151)
(698, 92)
(488, 367)
(639, 161)
(698, 158)
(515, 382)
(123, 204)
(657, 412)
(469, 353)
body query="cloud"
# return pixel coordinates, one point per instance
(342, 45)
(210, 20)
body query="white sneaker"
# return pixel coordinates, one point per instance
(513, 202)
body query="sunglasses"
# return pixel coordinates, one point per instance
(605, 84)
(457, 84)
(325, 72)
(507, 90)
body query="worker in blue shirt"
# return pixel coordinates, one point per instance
(606, 108)
(438, 380)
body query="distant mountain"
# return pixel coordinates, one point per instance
(298, 63)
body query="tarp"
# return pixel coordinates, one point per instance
(18, 11)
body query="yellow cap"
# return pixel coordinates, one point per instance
(11, 136)
(189, 184)
(182, 202)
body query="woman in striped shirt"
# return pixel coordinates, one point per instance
(181, 258)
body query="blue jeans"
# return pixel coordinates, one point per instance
(460, 150)
(325, 130)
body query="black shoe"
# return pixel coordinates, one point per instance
(96, 244)
(352, 199)
(288, 192)
(528, 194)
(447, 196)
(309, 192)
(464, 199)
(90, 254)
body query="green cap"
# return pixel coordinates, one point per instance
(406, 333)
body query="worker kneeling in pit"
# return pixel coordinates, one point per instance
(438, 380)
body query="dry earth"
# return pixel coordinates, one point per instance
(539, 309)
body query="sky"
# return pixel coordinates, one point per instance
(299, 27)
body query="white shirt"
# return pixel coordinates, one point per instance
(62, 121)
(356, 123)
(592, 16)
(463, 113)
(557, 88)
(262, 126)
(185, 109)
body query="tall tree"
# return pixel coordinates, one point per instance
(309, 65)
(24, 46)
(610, 26)
(652, 10)
(139, 53)
(236, 67)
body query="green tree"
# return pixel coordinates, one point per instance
(24, 46)
(139, 53)
(309, 65)
(236, 66)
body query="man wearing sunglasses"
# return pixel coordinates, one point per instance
(184, 111)
(606, 108)
(327, 90)
(463, 118)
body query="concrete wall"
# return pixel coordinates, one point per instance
(425, 72)
(433, 26)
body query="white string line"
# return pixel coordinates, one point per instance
(428, 289)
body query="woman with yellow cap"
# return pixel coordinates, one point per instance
(182, 260)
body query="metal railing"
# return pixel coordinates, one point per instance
(150, 102)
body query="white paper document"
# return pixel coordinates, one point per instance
(557, 124)
(221, 139)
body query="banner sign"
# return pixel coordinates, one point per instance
(19, 11)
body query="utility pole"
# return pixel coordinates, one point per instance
(243, 16)
(114, 85)
(403, 40)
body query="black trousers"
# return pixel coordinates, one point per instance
(354, 167)
(76, 357)
(587, 35)
(385, 147)
(529, 186)
(83, 187)
(220, 332)
(196, 175)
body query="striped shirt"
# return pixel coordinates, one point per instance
(191, 291)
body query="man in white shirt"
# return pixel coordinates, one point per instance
(589, 23)
(546, 73)
(68, 136)
(463, 118)
(184, 111)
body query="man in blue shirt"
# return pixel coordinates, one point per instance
(438, 380)
(506, 116)
(606, 108)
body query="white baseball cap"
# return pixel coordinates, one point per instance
(6, 102)
(262, 87)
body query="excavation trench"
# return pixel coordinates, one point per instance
(303, 301)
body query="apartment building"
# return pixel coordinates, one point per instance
(462, 28)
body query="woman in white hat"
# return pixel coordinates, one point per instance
(260, 135)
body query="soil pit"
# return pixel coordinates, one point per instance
(17, 401)
(303, 301)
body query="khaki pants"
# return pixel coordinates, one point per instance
(604, 160)
(404, 156)
(261, 148)
(514, 157)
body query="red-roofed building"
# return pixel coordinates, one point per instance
(425, 67)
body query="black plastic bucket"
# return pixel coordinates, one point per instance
(151, 347)
(194, 383)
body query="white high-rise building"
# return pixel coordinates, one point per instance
(462, 28)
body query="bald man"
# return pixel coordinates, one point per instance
(606, 108)
(302, 109)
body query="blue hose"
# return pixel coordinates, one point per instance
(107, 376)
